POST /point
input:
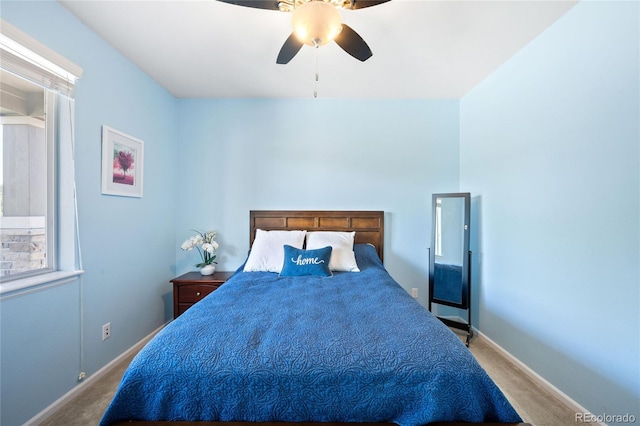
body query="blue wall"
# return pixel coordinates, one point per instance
(241, 155)
(127, 243)
(550, 152)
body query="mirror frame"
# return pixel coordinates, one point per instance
(466, 254)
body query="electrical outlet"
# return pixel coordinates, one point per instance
(414, 292)
(106, 331)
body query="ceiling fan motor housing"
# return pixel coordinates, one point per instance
(316, 23)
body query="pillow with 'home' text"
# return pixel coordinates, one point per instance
(298, 262)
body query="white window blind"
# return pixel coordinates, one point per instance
(23, 55)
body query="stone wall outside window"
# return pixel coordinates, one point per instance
(22, 249)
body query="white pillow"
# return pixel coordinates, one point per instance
(342, 256)
(267, 252)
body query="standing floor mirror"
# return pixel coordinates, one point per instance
(450, 261)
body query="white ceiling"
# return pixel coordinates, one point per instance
(421, 48)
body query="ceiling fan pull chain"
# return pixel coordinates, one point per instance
(315, 90)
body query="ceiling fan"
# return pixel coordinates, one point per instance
(316, 23)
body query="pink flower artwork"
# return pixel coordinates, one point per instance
(123, 164)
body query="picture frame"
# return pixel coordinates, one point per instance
(122, 163)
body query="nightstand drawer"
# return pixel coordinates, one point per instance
(192, 287)
(194, 293)
(181, 308)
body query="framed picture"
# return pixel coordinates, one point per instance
(122, 163)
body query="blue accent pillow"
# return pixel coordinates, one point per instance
(298, 262)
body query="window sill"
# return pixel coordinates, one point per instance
(37, 283)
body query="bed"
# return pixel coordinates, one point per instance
(450, 286)
(300, 347)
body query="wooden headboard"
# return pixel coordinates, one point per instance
(369, 225)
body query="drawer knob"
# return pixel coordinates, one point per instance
(198, 294)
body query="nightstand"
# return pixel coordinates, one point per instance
(191, 287)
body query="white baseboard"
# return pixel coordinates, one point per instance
(544, 383)
(67, 397)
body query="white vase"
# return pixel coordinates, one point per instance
(208, 269)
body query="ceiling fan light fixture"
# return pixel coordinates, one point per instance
(316, 23)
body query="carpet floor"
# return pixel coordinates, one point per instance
(535, 404)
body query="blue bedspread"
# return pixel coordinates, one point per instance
(448, 283)
(354, 347)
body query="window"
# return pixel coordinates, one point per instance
(34, 131)
(438, 228)
(27, 178)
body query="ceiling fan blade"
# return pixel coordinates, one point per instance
(257, 4)
(289, 49)
(360, 4)
(353, 44)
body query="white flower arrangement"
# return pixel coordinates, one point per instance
(206, 245)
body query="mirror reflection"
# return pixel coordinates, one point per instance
(449, 249)
(449, 255)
